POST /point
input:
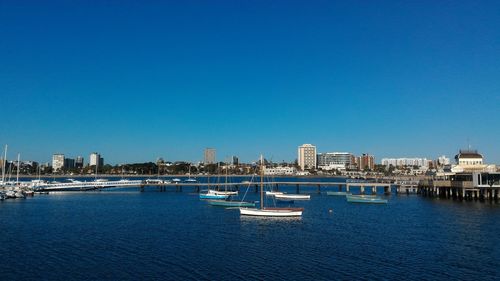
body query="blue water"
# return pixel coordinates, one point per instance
(131, 235)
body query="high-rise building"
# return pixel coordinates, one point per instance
(366, 161)
(235, 160)
(57, 162)
(209, 156)
(96, 159)
(69, 163)
(79, 162)
(307, 156)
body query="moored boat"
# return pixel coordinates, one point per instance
(365, 199)
(272, 212)
(210, 194)
(225, 203)
(336, 193)
(292, 197)
(272, 193)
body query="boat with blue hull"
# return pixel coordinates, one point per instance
(365, 199)
(225, 203)
(212, 194)
(336, 193)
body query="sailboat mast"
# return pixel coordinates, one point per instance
(261, 182)
(4, 161)
(18, 167)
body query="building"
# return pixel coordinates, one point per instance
(399, 162)
(235, 160)
(209, 156)
(334, 160)
(468, 160)
(366, 162)
(96, 159)
(285, 171)
(57, 162)
(443, 161)
(69, 163)
(307, 156)
(79, 162)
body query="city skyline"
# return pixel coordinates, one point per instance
(138, 82)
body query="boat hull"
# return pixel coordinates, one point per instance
(336, 193)
(292, 197)
(273, 193)
(224, 203)
(272, 212)
(213, 196)
(365, 199)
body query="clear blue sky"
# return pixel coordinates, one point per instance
(142, 79)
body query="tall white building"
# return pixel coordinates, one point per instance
(57, 162)
(209, 156)
(307, 156)
(96, 159)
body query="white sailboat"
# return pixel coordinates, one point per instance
(267, 211)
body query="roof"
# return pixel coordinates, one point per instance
(468, 154)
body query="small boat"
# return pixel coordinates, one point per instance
(176, 180)
(20, 194)
(272, 212)
(10, 194)
(225, 203)
(190, 180)
(223, 192)
(336, 193)
(292, 197)
(365, 199)
(29, 193)
(209, 194)
(272, 193)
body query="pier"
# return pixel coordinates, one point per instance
(347, 186)
(466, 186)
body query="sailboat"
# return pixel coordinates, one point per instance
(267, 211)
(227, 202)
(190, 179)
(212, 194)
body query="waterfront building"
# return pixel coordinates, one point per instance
(334, 160)
(468, 160)
(209, 156)
(281, 170)
(79, 162)
(57, 162)
(96, 159)
(307, 156)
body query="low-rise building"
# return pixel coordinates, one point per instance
(282, 171)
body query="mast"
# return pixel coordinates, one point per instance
(4, 161)
(18, 167)
(261, 182)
